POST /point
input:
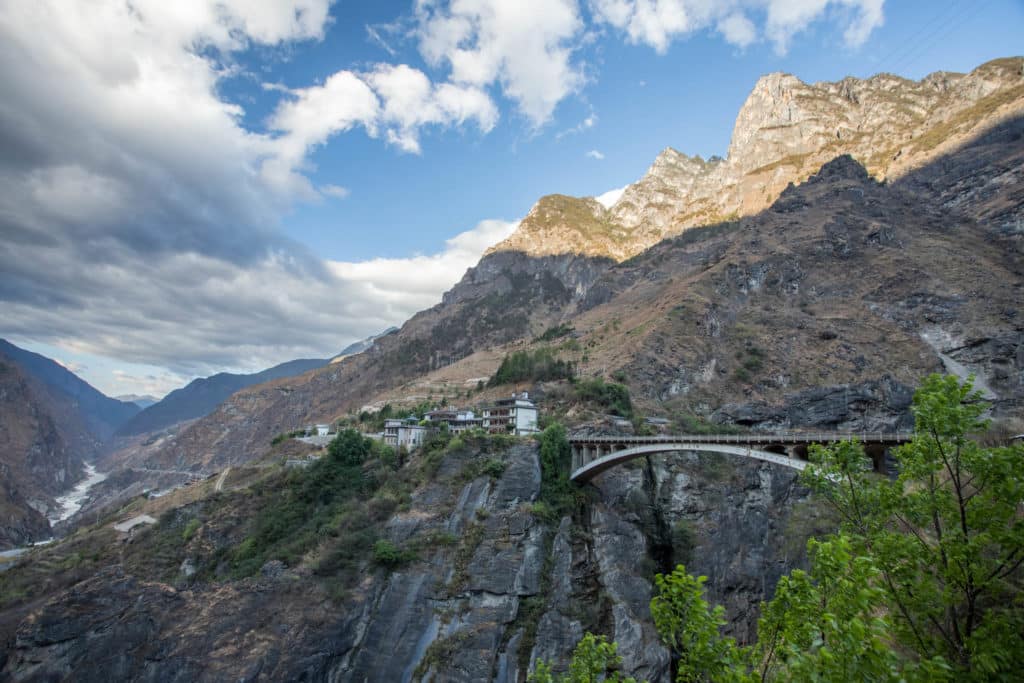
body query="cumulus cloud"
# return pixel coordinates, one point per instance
(738, 30)
(140, 218)
(525, 46)
(411, 101)
(195, 314)
(595, 154)
(658, 22)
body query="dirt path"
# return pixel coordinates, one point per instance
(220, 480)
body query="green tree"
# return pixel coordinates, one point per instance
(690, 628)
(947, 536)
(593, 660)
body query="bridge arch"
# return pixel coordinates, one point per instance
(591, 469)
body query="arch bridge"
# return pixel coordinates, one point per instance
(592, 455)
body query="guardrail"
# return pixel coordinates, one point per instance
(783, 438)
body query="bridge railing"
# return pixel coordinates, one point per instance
(779, 438)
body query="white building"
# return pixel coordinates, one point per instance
(516, 415)
(404, 433)
(323, 430)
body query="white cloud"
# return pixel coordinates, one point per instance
(586, 124)
(738, 30)
(525, 46)
(595, 154)
(659, 22)
(608, 199)
(140, 228)
(411, 101)
(407, 285)
(308, 119)
(336, 191)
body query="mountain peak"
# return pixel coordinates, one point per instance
(785, 132)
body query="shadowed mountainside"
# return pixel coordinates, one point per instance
(102, 414)
(843, 282)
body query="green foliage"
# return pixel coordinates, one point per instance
(947, 535)
(555, 332)
(593, 660)
(607, 395)
(689, 627)
(472, 537)
(306, 508)
(558, 495)
(688, 423)
(190, 529)
(833, 624)
(922, 583)
(387, 554)
(532, 366)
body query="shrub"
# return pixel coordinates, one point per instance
(387, 554)
(556, 332)
(190, 529)
(607, 395)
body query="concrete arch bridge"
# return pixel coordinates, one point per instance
(592, 455)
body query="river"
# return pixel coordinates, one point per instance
(71, 502)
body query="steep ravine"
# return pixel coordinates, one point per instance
(495, 586)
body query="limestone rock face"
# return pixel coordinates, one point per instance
(784, 132)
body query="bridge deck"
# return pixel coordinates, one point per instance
(595, 454)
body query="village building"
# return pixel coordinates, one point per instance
(516, 415)
(407, 432)
(323, 430)
(458, 421)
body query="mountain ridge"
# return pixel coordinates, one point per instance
(785, 130)
(102, 413)
(203, 394)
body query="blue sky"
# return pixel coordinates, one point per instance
(202, 186)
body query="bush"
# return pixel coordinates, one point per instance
(306, 505)
(190, 529)
(387, 554)
(612, 397)
(555, 332)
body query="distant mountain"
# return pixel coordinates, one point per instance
(141, 400)
(101, 414)
(201, 396)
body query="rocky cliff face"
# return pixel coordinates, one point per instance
(824, 310)
(36, 462)
(506, 588)
(784, 132)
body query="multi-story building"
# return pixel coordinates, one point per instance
(407, 432)
(516, 415)
(458, 421)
